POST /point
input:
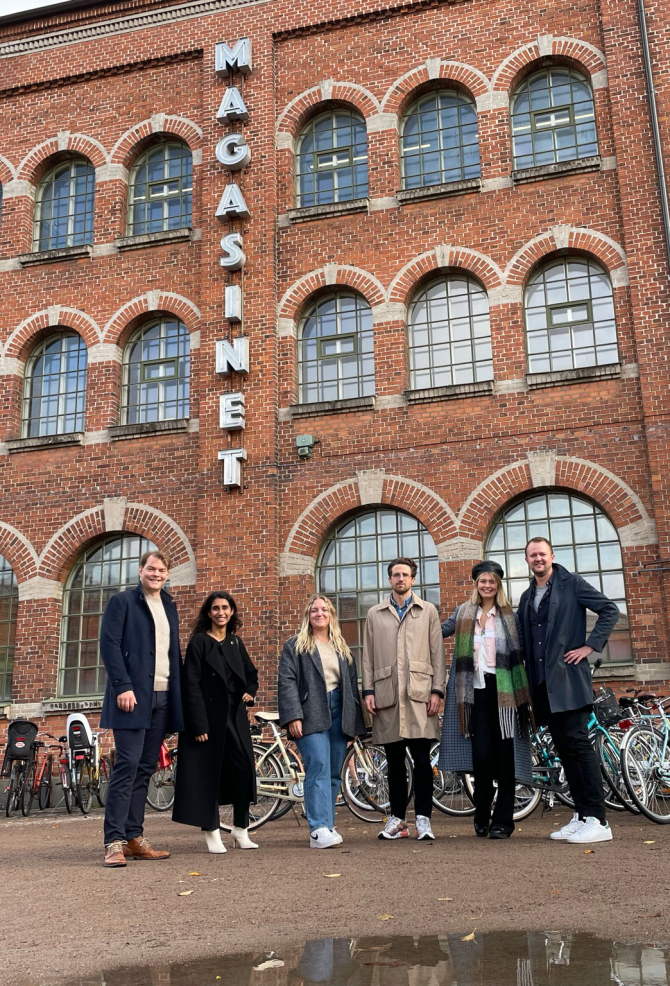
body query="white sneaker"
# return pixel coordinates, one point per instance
(323, 838)
(395, 828)
(337, 836)
(423, 829)
(563, 834)
(592, 830)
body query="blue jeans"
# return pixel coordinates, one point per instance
(322, 755)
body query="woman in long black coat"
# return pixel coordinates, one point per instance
(215, 756)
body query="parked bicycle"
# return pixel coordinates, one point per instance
(90, 772)
(19, 755)
(160, 794)
(39, 777)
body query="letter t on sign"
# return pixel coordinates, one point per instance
(232, 466)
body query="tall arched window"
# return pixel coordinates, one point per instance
(108, 567)
(449, 333)
(569, 310)
(64, 206)
(156, 366)
(351, 569)
(335, 349)
(553, 118)
(54, 396)
(584, 541)
(161, 189)
(9, 600)
(332, 159)
(438, 141)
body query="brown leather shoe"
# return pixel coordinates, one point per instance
(139, 848)
(114, 854)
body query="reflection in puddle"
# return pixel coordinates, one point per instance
(507, 958)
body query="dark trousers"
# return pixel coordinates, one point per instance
(136, 758)
(571, 739)
(423, 776)
(236, 766)
(492, 760)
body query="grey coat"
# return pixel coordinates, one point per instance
(301, 693)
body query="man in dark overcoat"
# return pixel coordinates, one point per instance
(552, 613)
(139, 646)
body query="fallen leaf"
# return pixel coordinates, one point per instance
(656, 914)
(555, 891)
(269, 964)
(184, 893)
(385, 917)
(194, 873)
(331, 876)
(470, 937)
(649, 842)
(588, 851)
(445, 898)
(217, 977)
(417, 850)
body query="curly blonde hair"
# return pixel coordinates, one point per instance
(305, 642)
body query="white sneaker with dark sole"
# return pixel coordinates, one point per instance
(423, 829)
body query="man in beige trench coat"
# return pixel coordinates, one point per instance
(404, 674)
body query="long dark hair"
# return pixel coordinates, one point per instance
(203, 621)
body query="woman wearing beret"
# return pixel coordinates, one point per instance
(487, 714)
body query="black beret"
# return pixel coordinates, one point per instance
(487, 566)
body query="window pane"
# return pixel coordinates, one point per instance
(335, 345)
(156, 203)
(9, 598)
(328, 147)
(439, 140)
(544, 109)
(54, 395)
(64, 207)
(156, 373)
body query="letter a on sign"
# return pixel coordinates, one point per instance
(232, 203)
(232, 106)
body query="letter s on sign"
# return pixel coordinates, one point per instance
(231, 244)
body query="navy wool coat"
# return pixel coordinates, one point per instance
(301, 693)
(128, 651)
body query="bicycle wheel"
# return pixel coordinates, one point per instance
(44, 789)
(284, 804)
(269, 774)
(160, 795)
(12, 790)
(28, 790)
(104, 777)
(526, 798)
(359, 771)
(379, 796)
(450, 794)
(609, 757)
(84, 786)
(645, 764)
(68, 793)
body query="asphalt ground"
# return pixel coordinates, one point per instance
(63, 914)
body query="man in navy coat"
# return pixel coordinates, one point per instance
(139, 646)
(552, 612)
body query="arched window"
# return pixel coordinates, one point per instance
(569, 311)
(335, 347)
(351, 569)
(332, 159)
(449, 333)
(161, 189)
(553, 119)
(438, 141)
(54, 397)
(156, 366)
(584, 541)
(101, 571)
(64, 206)
(9, 600)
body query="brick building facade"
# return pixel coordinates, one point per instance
(449, 250)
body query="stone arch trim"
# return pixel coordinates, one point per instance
(330, 275)
(148, 304)
(57, 316)
(599, 245)
(19, 552)
(587, 55)
(76, 143)
(293, 117)
(616, 497)
(423, 503)
(160, 124)
(7, 170)
(478, 264)
(400, 92)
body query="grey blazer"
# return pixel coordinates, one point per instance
(301, 693)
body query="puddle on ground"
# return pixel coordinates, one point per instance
(507, 958)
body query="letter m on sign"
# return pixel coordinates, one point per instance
(236, 59)
(232, 356)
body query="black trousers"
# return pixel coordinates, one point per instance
(492, 760)
(423, 776)
(236, 767)
(571, 739)
(136, 758)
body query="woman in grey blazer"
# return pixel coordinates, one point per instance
(320, 705)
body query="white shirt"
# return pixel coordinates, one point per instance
(484, 642)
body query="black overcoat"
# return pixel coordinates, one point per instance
(203, 780)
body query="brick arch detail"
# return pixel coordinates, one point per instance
(398, 94)
(293, 117)
(76, 143)
(149, 304)
(599, 245)
(587, 55)
(18, 551)
(7, 170)
(478, 264)
(57, 316)
(125, 148)
(330, 275)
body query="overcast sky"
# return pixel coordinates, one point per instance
(13, 6)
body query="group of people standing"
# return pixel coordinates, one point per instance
(509, 672)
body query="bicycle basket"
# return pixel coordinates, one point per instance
(20, 738)
(79, 736)
(606, 708)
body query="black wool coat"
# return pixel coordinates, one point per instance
(203, 777)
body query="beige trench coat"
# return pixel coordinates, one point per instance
(403, 663)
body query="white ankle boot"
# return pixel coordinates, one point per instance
(241, 839)
(213, 840)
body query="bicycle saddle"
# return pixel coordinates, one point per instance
(267, 716)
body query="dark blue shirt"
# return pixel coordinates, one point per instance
(401, 610)
(538, 631)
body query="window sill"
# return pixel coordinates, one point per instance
(332, 407)
(44, 441)
(51, 705)
(312, 212)
(626, 670)
(453, 392)
(544, 171)
(124, 243)
(561, 378)
(54, 256)
(438, 191)
(121, 432)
